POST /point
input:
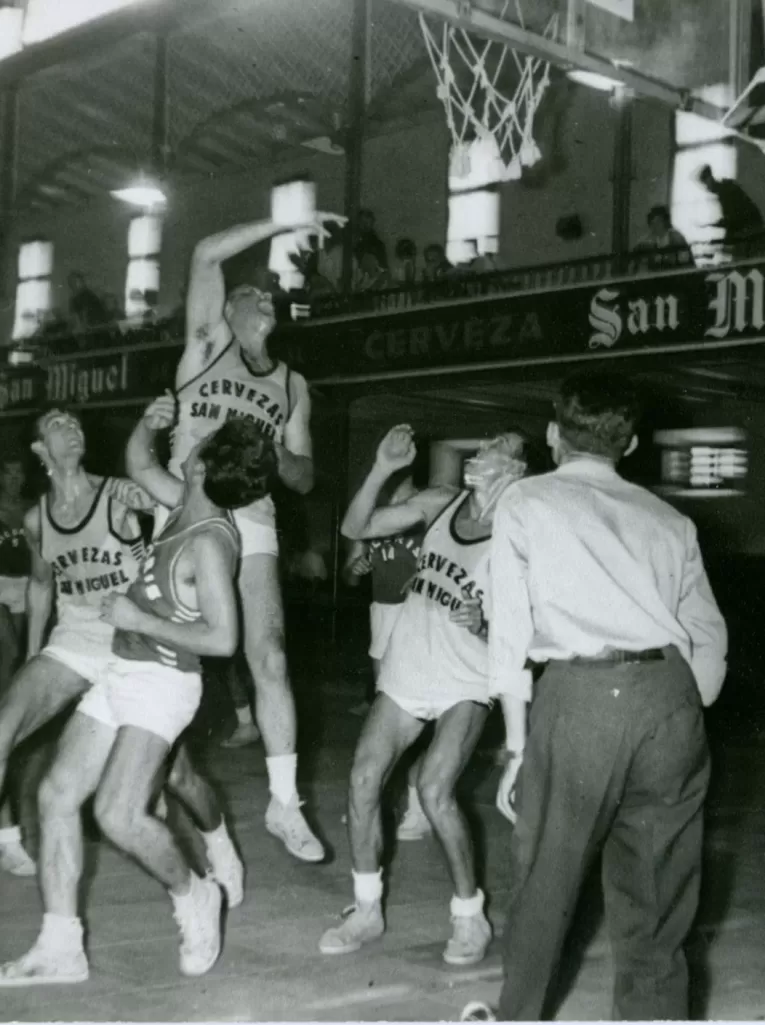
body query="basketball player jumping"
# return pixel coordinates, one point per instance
(86, 542)
(181, 606)
(435, 667)
(226, 372)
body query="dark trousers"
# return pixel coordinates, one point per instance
(616, 759)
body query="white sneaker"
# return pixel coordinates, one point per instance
(244, 734)
(469, 941)
(227, 869)
(362, 924)
(198, 915)
(287, 823)
(14, 859)
(414, 825)
(46, 964)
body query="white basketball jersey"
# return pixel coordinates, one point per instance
(225, 389)
(90, 561)
(428, 657)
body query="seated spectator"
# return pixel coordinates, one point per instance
(366, 239)
(436, 264)
(404, 271)
(371, 276)
(86, 309)
(663, 244)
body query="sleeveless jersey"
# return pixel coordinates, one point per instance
(90, 561)
(15, 557)
(225, 389)
(394, 561)
(155, 592)
(428, 657)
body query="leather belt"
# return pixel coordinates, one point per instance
(619, 657)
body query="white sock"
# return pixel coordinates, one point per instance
(244, 716)
(9, 836)
(217, 838)
(194, 884)
(62, 931)
(368, 887)
(282, 777)
(467, 907)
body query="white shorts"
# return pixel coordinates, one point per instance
(13, 593)
(150, 696)
(431, 710)
(382, 619)
(257, 537)
(80, 651)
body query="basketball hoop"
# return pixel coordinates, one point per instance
(478, 112)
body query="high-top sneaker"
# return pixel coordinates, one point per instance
(362, 923)
(198, 914)
(226, 865)
(57, 957)
(13, 857)
(471, 932)
(288, 824)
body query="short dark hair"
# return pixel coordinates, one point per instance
(659, 211)
(240, 464)
(405, 249)
(12, 456)
(598, 413)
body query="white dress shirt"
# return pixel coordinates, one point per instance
(583, 561)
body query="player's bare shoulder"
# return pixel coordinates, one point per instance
(433, 501)
(33, 524)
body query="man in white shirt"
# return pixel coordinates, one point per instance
(605, 583)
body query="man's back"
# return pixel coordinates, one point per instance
(609, 565)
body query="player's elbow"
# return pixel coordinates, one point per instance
(204, 254)
(223, 641)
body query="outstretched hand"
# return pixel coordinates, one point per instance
(506, 789)
(160, 413)
(397, 449)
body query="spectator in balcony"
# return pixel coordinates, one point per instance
(404, 270)
(366, 239)
(436, 264)
(86, 309)
(663, 245)
(371, 275)
(740, 217)
(114, 309)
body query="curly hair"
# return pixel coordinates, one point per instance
(598, 413)
(240, 464)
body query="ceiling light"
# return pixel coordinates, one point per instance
(145, 192)
(593, 80)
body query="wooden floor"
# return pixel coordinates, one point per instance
(271, 968)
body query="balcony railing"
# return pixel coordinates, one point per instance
(458, 286)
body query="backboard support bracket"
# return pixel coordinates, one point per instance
(491, 27)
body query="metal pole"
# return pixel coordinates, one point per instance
(354, 135)
(8, 169)
(338, 511)
(160, 148)
(621, 103)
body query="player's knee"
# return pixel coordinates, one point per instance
(267, 660)
(115, 820)
(436, 797)
(58, 795)
(365, 782)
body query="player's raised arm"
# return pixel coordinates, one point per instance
(40, 588)
(295, 456)
(142, 463)
(364, 520)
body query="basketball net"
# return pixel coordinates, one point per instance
(479, 113)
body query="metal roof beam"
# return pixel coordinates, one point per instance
(95, 35)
